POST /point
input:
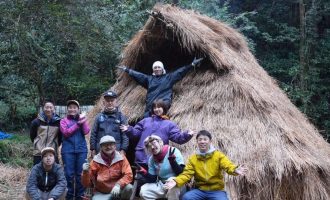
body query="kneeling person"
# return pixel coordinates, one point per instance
(165, 162)
(109, 172)
(47, 180)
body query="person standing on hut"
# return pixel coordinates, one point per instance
(74, 127)
(206, 166)
(47, 180)
(107, 123)
(45, 132)
(109, 173)
(158, 124)
(165, 162)
(159, 85)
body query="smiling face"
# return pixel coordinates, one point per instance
(158, 110)
(157, 70)
(110, 103)
(154, 147)
(73, 109)
(48, 159)
(108, 148)
(203, 143)
(49, 109)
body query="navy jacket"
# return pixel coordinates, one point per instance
(108, 124)
(159, 87)
(53, 181)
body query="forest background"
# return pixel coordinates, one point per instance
(64, 49)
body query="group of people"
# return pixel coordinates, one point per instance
(161, 167)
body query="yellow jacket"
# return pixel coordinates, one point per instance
(207, 170)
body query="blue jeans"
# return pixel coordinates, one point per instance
(197, 194)
(72, 168)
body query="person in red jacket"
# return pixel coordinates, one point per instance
(109, 172)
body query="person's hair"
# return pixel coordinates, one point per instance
(159, 103)
(48, 101)
(150, 139)
(205, 133)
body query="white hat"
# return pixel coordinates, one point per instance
(159, 64)
(107, 139)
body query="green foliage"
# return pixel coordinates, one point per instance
(16, 151)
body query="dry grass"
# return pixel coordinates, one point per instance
(12, 182)
(231, 95)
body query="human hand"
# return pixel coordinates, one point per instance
(241, 170)
(115, 192)
(170, 183)
(192, 132)
(171, 155)
(123, 127)
(124, 68)
(196, 61)
(82, 120)
(85, 166)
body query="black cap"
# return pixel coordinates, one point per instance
(110, 94)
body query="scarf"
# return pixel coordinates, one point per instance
(159, 157)
(164, 117)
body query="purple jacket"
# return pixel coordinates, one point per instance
(165, 129)
(73, 135)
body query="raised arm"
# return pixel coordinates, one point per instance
(182, 71)
(139, 77)
(175, 134)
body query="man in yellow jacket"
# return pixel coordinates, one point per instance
(206, 167)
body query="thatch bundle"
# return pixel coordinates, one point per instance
(252, 119)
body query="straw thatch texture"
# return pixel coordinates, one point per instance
(252, 119)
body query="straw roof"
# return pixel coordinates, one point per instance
(232, 96)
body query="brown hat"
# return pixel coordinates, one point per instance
(46, 150)
(72, 102)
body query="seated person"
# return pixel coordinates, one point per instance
(109, 172)
(206, 166)
(47, 180)
(165, 162)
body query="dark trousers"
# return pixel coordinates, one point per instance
(72, 168)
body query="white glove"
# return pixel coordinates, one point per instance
(115, 191)
(85, 166)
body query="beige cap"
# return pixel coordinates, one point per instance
(107, 139)
(47, 149)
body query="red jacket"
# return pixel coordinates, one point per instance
(103, 177)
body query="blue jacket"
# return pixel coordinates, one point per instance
(108, 124)
(73, 135)
(159, 87)
(53, 181)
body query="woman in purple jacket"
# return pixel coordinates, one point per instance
(74, 127)
(158, 124)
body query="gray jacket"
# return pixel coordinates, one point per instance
(40, 180)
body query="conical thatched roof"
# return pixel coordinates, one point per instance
(230, 95)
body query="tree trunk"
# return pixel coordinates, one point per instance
(303, 47)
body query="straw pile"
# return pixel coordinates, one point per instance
(252, 119)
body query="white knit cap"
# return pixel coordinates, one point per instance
(159, 64)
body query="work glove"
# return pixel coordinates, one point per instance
(196, 61)
(85, 166)
(124, 68)
(171, 155)
(115, 192)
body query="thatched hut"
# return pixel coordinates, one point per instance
(230, 95)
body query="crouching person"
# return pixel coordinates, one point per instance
(47, 180)
(109, 173)
(165, 162)
(206, 166)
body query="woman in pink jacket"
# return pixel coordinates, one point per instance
(74, 127)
